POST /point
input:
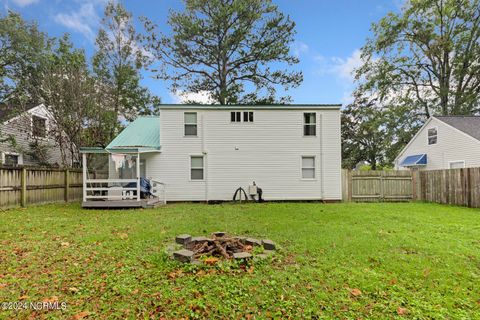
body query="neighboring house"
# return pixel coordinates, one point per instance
(205, 153)
(20, 131)
(444, 142)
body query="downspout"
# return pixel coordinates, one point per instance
(205, 156)
(320, 135)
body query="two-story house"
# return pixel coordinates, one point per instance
(206, 152)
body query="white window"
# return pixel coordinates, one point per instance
(247, 116)
(11, 159)
(308, 167)
(196, 167)
(39, 127)
(456, 164)
(309, 124)
(235, 116)
(432, 136)
(190, 119)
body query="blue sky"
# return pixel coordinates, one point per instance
(329, 36)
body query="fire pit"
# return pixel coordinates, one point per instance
(221, 246)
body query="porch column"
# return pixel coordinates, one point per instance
(138, 176)
(84, 165)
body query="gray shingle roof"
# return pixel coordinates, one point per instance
(467, 124)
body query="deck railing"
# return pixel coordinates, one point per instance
(110, 189)
(159, 190)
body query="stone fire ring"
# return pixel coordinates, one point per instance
(221, 246)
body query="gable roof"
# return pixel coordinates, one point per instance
(467, 124)
(143, 133)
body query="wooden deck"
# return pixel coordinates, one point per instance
(143, 203)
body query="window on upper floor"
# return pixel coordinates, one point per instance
(235, 116)
(190, 121)
(308, 167)
(39, 127)
(238, 116)
(248, 116)
(196, 167)
(432, 136)
(309, 124)
(11, 159)
(456, 164)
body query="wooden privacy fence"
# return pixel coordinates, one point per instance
(452, 186)
(22, 186)
(374, 186)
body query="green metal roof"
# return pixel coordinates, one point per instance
(141, 134)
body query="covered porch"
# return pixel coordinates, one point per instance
(116, 176)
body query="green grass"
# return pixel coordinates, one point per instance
(407, 260)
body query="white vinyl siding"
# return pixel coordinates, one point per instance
(267, 151)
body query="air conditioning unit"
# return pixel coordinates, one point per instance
(252, 190)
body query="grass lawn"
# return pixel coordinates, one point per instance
(335, 261)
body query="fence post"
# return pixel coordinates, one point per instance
(382, 192)
(350, 185)
(414, 185)
(67, 184)
(23, 194)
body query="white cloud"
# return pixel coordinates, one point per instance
(298, 48)
(24, 3)
(202, 97)
(84, 20)
(344, 68)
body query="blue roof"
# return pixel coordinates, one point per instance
(415, 160)
(141, 134)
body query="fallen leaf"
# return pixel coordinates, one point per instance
(426, 272)
(65, 244)
(23, 297)
(211, 261)
(73, 289)
(135, 291)
(81, 315)
(250, 270)
(3, 285)
(51, 299)
(123, 235)
(393, 281)
(355, 292)
(402, 311)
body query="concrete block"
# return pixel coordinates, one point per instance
(242, 255)
(253, 242)
(268, 244)
(183, 239)
(219, 234)
(183, 255)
